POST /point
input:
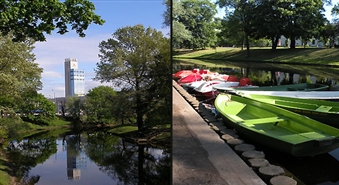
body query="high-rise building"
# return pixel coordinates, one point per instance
(74, 78)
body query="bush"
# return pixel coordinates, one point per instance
(10, 126)
(38, 119)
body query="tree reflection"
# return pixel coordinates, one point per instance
(27, 153)
(128, 163)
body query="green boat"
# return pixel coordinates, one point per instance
(289, 87)
(276, 127)
(324, 111)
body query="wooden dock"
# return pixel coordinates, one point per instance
(199, 155)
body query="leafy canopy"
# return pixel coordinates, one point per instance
(135, 59)
(33, 18)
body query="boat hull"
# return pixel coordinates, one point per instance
(316, 95)
(277, 128)
(324, 111)
(290, 87)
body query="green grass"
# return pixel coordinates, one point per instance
(4, 176)
(123, 129)
(319, 56)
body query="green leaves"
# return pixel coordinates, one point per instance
(32, 18)
(194, 21)
(136, 60)
(18, 72)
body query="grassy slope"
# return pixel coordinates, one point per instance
(322, 56)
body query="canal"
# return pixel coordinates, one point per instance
(314, 170)
(87, 158)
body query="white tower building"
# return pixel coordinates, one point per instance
(74, 78)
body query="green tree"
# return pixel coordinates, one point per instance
(33, 101)
(167, 13)
(198, 17)
(74, 107)
(268, 21)
(232, 31)
(99, 103)
(131, 60)
(242, 13)
(33, 18)
(301, 21)
(19, 74)
(180, 33)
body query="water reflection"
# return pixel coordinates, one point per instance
(270, 73)
(87, 158)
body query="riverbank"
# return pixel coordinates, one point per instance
(311, 56)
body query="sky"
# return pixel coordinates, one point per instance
(51, 54)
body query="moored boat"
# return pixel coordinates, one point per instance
(289, 87)
(324, 111)
(190, 78)
(319, 95)
(208, 77)
(207, 90)
(276, 127)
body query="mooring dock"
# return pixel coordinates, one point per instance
(205, 151)
(199, 155)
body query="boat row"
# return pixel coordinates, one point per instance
(297, 119)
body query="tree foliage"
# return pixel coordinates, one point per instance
(197, 17)
(99, 105)
(134, 59)
(261, 19)
(167, 13)
(33, 18)
(74, 107)
(19, 75)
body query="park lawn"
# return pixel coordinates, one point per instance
(123, 129)
(5, 178)
(319, 56)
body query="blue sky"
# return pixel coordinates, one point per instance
(50, 55)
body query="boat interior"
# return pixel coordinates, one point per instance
(270, 123)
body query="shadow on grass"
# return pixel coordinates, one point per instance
(6, 167)
(183, 51)
(315, 56)
(155, 136)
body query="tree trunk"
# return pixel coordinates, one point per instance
(274, 77)
(247, 46)
(292, 44)
(139, 112)
(290, 78)
(274, 46)
(141, 161)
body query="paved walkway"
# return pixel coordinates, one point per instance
(200, 156)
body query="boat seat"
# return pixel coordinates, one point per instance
(265, 120)
(324, 108)
(236, 119)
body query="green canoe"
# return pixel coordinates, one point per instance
(289, 87)
(276, 127)
(324, 111)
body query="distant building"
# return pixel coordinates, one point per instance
(74, 78)
(283, 41)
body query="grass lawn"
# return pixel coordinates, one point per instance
(123, 129)
(319, 56)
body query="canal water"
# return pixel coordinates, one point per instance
(314, 170)
(87, 158)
